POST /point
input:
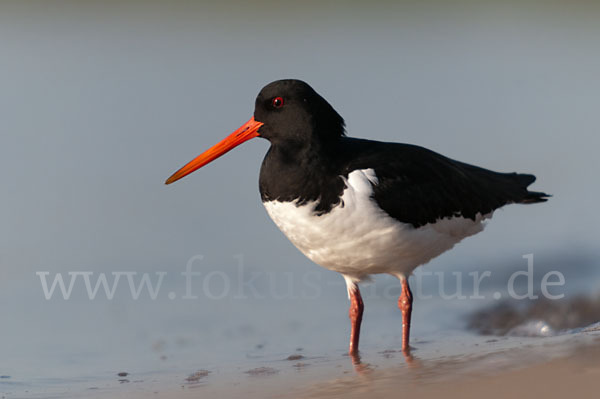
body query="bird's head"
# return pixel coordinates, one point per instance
(292, 111)
(286, 112)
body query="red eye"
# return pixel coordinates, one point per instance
(277, 102)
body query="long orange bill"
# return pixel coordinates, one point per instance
(246, 132)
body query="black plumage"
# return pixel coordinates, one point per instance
(311, 161)
(310, 154)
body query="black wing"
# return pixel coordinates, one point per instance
(419, 186)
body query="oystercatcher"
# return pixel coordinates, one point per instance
(361, 207)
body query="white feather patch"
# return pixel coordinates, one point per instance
(357, 238)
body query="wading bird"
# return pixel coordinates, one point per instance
(360, 207)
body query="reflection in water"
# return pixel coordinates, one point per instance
(410, 359)
(362, 368)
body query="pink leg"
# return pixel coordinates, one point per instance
(405, 305)
(355, 313)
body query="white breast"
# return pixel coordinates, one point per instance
(357, 238)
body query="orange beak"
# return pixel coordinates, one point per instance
(246, 132)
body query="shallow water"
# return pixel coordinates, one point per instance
(289, 338)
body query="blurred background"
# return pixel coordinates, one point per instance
(101, 101)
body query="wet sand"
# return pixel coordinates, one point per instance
(518, 348)
(575, 373)
(462, 367)
(458, 365)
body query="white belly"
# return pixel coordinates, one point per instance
(358, 238)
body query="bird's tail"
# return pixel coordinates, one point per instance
(530, 197)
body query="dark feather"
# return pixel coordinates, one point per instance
(419, 186)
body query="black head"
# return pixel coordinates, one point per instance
(288, 113)
(292, 111)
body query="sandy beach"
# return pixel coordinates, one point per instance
(573, 374)
(460, 349)
(557, 367)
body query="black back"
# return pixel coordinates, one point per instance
(415, 185)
